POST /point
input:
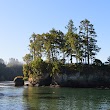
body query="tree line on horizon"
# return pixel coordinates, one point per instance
(10, 70)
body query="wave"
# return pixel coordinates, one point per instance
(6, 83)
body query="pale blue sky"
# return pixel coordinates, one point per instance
(20, 18)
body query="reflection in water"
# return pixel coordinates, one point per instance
(45, 98)
(50, 97)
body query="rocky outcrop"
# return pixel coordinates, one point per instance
(40, 80)
(77, 79)
(33, 80)
(83, 80)
(45, 81)
(19, 81)
(85, 76)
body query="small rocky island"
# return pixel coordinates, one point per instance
(19, 81)
(52, 56)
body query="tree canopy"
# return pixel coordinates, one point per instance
(55, 48)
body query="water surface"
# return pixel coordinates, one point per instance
(46, 98)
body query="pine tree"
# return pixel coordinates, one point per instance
(88, 35)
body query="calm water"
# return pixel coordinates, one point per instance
(45, 98)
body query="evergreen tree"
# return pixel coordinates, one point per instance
(71, 40)
(88, 35)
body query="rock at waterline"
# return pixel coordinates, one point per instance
(19, 81)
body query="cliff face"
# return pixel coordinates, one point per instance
(40, 80)
(86, 76)
(98, 79)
